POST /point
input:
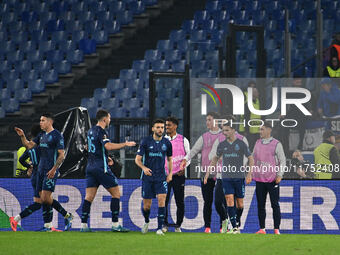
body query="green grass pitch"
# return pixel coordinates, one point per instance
(172, 243)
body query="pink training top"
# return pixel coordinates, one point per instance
(264, 161)
(208, 141)
(178, 154)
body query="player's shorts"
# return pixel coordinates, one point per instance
(34, 181)
(94, 178)
(44, 183)
(234, 186)
(152, 188)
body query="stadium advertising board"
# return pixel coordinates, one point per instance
(307, 207)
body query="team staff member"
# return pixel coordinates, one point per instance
(326, 154)
(203, 145)
(268, 170)
(180, 148)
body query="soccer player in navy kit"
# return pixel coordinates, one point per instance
(232, 152)
(34, 156)
(153, 150)
(98, 171)
(51, 146)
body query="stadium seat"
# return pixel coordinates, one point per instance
(2, 112)
(179, 66)
(23, 95)
(10, 105)
(165, 45)
(112, 27)
(75, 57)
(137, 7)
(126, 74)
(173, 55)
(51, 76)
(55, 56)
(177, 35)
(139, 65)
(101, 94)
(110, 103)
(152, 55)
(160, 65)
(63, 67)
(101, 37)
(124, 17)
(89, 102)
(88, 46)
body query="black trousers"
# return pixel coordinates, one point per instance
(262, 189)
(208, 197)
(220, 202)
(177, 184)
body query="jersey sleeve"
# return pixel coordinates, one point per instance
(104, 138)
(142, 148)
(23, 159)
(60, 141)
(219, 150)
(246, 150)
(169, 149)
(36, 140)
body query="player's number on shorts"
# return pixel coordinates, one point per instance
(92, 148)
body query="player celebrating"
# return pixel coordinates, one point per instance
(34, 156)
(98, 171)
(153, 149)
(51, 144)
(220, 202)
(232, 152)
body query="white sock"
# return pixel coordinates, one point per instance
(83, 225)
(48, 225)
(17, 218)
(115, 224)
(67, 215)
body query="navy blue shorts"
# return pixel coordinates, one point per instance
(94, 178)
(234, 186)
(152, 188)
(34, 180)
(44, 183)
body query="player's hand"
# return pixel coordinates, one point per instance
(19, 131)
(50, 174)
(205, 181)
(248, 179)
(110, 161)
(278, 179)
(29, 171)
(181, 172)
(183, 164)
(130, 144)
(169, 178)
(147, 171)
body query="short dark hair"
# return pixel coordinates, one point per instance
(48, 115)
(215, 115)
(35, 130)
(158, 121)
(173, 120)
(268, 124)
(101, 114)
(228, 124)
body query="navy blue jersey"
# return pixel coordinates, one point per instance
(232, 158)
(154, 153)
(49, 144)
(98, 157)
(34, 155)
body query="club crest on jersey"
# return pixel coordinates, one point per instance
(49, 138)
(164, 147)
(237, 148)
